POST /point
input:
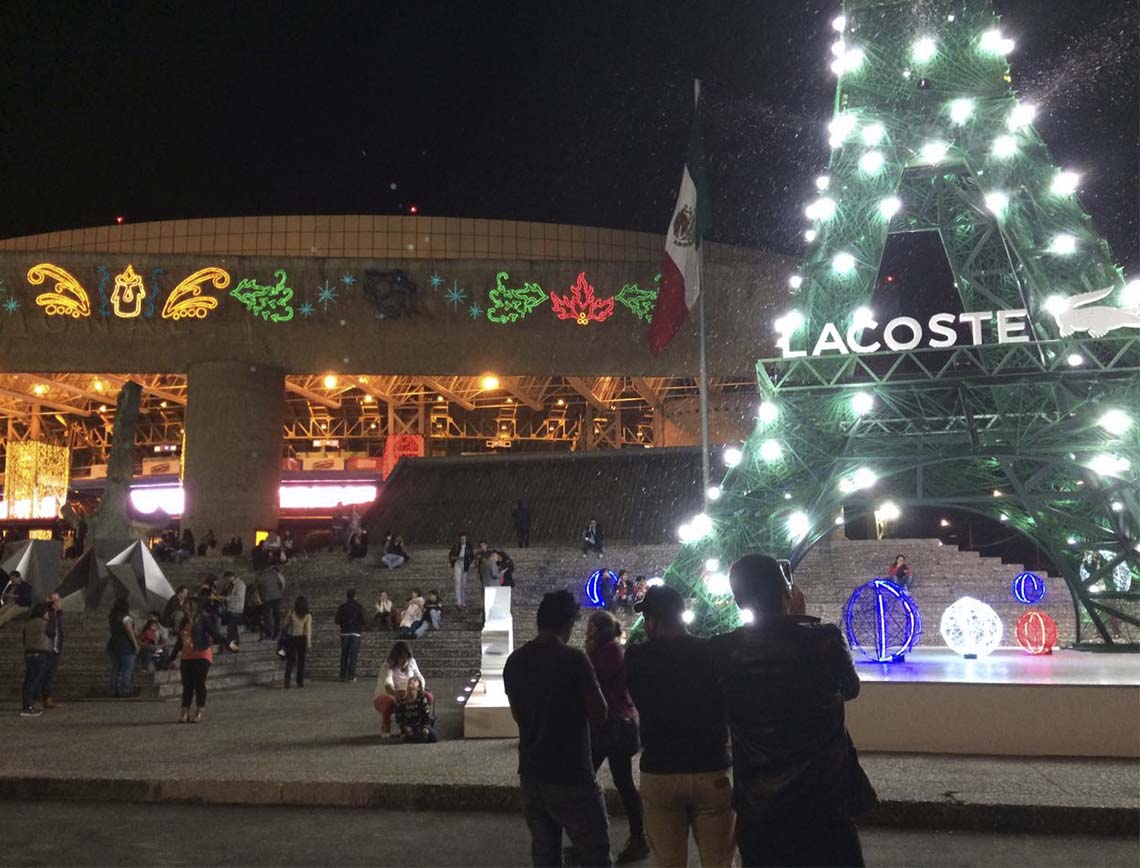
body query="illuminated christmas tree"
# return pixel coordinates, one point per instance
(1017, 407)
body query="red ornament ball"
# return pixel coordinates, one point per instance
(1036, 632)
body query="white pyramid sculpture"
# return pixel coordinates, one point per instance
(137, 563)
(38, 562)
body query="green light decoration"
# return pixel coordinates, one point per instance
(508, 305)
(271, 303)
(639, 301)
(1039, 435)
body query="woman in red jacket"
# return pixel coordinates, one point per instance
(197, 636)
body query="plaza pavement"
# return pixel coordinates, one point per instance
(321, 746)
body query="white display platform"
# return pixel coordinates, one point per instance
(1069, 703)
(487, 713)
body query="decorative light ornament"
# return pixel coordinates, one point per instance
(871, 162)
(1115, 421)
(890, 206)
(883, 621)
(888, 510)
(732, 456)
(862, 403)
(822, 183)
(842, 126)
(843, 263)
(992, 42)
(795, 281)
(971, 628)
(924, 49)
(771, 450)
(1028, 588)
(934, 153)
(329, 381)
(747, 616)
(839, 24)
(838, 48)
(1130, 294)
(1106, 464)
(996, 202)
(961, 110)
(717, 584)
(1117, 506)
(1036, 632)
(809, 236)
(863, 477)
(873, 134)
(700, 525)
(789, 323)
(822, 208)
(1004, 147)
(1022, 115)
(1056, 304)
(1065, 183)
(712, 565)
(1063, 245)
(767, 412)
(1075, 360)
(593, 587)
(849, 61)
(713, 493)
(798, 525)
(862, 317)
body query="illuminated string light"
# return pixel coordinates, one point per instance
(128, 294)
(273, 303)
(1004, 147)
(873, 134)
(186, 300)
(934, 153)
(890, 206)
(767, 412)
(843, 263)
(961, 110)
(924, 50)
(69, 298)
(771, 450)
(1065, 183)
(871, 162)
(862, 403)
(1063, 245)
(997, 202)
(822, 208)
(1022, 115)
(1115, 421)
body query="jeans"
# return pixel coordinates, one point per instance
(349, 651)
(194, 674)
(578, 809)
(385, 705)
(271, 618)
(817, 845)
(35, 666)
(392, 561)
(460, 576)
(122, 673)
(49, 674)
(621, 770)
(232, 633)
(296, 647)
(676, 802)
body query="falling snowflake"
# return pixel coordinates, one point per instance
(475, 311)
(326, 294)
(305, 310)
(456, 295)
(11, 306)
(348, 280)
(436, 281)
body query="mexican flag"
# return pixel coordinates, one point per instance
(681, 264)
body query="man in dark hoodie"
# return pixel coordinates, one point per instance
(350, 618)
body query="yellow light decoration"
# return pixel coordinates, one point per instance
(186, 299)
(69, 297)
(35, 479)
(39, 534)
(128, 294)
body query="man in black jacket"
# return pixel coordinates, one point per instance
(55, 631)
(350, 618)
(784, 678)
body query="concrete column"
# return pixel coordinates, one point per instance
(232, 459)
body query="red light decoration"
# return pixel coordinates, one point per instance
(414, 210)
(1036, 632)
(581, 305)
(120, 219)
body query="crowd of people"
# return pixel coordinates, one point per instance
(764, 701)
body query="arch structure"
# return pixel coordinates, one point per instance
(1017, 407)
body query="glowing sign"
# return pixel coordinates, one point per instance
(69, 298)
(172, 500)
(128, 294)
(639, 301)
(271, 303)
(186, 299)
(512, 304)
(581, 305)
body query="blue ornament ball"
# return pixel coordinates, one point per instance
(593, 587)
(1028, 588)
(883, 621)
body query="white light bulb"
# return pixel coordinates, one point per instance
(853, 59)
(718, 585)
(771, 450)
(822, 182)
(798, 525)
(862, 402)
(1065, 183)
(843, 263)
(1115, 421)
(687, 616)
(839, 521)
(924, 49)
(1056, 304)
(822, 208)
(810, 236)
(887, 511)
(732, 456)
(890, 206)
(862, 317)
(997, 202)
(712, 565)
(994, 43)
(1063, 245)
(787, 495)
(863, 477)
(871, 162)
(873, 134)
(1130, 294)
(713, 493)
(1117, 506)
(961, 110)
(838, 48)
(767, 412)
(789, 323)
(1003, 517)
(843, 125)
(1004, 147)
(700, 525)
(1075, 360)
(1022, 115)
(795, 281)
(1106, 464)
(747, 616)
(1071, 540)
(934, 152)
(839, 24)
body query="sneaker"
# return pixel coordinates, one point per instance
(30, 712)
(636, 849)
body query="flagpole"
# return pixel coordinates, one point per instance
(703, 384)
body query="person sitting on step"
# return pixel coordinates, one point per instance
(900, 572)
(413, 715)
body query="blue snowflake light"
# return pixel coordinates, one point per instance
(475, 311)
(326, 294)
(883, 622)
(436, 281)
(348, 280)
(11, 306)
(456, 295)
(306, 309)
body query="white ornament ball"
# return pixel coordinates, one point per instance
(971, 628)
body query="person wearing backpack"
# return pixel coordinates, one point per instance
(197, 637)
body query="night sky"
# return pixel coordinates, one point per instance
(564, 112)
